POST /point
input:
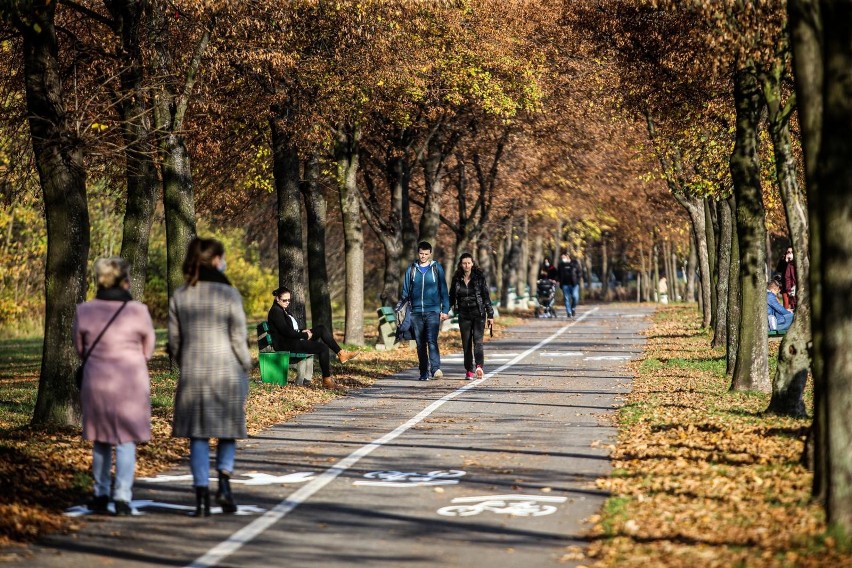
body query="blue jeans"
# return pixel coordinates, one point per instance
(571, 292)
(125, 469)
(199, 458)
(426, 326)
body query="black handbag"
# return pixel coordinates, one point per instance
(78, 375)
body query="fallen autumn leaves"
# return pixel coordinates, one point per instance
(702, 477)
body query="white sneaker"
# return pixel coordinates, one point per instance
(438, 374)
(479, 372)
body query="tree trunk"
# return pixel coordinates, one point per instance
(605, 269)
(346, 155)
(59, 161)
(655, 267)
(433, 175)
(834, 184)
(170, 108)
(723, 256)
(291, 259)
(534, 263)
(805, 25)
(315, 217)
(139, 150)
(734, 295)
(791, 374)
(710, 230)
(695, 209)
(751, 372)
(557, 234)
(691, 262)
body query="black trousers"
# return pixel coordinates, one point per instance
(320, 343)
(472, 327)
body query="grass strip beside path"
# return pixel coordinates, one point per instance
(701, 476)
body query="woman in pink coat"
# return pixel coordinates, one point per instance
(116, 391)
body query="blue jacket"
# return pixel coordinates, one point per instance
(428, 291)
(782, 316)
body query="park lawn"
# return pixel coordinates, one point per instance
(45, 471)
(701, 476)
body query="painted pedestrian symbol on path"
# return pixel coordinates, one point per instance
(410, 479)
(253, 478)
(137, 505)
(515, 505)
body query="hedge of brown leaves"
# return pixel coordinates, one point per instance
(702, 477)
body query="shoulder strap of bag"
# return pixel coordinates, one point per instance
(101, 334)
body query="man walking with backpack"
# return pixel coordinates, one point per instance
(425, 285)
(569, 279)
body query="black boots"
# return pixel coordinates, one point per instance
(224, 497)
(202, 502)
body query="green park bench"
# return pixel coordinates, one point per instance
(275, 365)
(386, 339)
(777, 333)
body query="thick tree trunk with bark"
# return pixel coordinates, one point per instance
(316, 219)
(291, 259)
(751, 372)
(791, 374)
(723, 255)
(734, 296)
(691, 265)
(805, 25)
(536, 259)
(139, 151)
(695, 209)
(346, 155)
(59, 161)
(834, 183)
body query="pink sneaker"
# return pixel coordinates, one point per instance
(468, 375)
(479, 372)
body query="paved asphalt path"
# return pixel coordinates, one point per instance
(496, 472)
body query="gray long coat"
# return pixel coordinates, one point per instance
(207, 336)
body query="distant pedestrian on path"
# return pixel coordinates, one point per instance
(569, 271)
(286, 336)
(471, 300)
(207, 337)
(115, 335)
(426, 286)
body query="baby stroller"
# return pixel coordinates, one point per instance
(545, 298)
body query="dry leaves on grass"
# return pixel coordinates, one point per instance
(702, 477)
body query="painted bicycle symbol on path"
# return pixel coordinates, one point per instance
(410, 478)
(514, 505)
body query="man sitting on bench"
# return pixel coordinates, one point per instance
(780, 316)
(286, 336)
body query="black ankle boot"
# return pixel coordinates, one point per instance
(202, 502)
(224, 497)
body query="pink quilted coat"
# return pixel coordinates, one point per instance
(116, 391)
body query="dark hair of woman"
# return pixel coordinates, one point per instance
(201, 252)
(475, 271)
(281, 290)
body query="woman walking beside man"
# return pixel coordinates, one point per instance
(471, 300)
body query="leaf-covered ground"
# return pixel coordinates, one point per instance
(701, 476)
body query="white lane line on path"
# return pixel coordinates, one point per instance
(256, 527)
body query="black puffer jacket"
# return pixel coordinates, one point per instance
(479, 287)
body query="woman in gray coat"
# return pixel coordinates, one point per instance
(207, 338)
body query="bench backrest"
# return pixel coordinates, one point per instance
(386, 314)
(264, 338)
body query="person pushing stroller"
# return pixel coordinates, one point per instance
(545, 296)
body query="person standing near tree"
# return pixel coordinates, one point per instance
(208, 339)
(115, 335)
(471, 300)
(426, 286)
(569, 279)
(787, 271)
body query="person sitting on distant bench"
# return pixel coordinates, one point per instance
(780, 317)
(286, 336)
